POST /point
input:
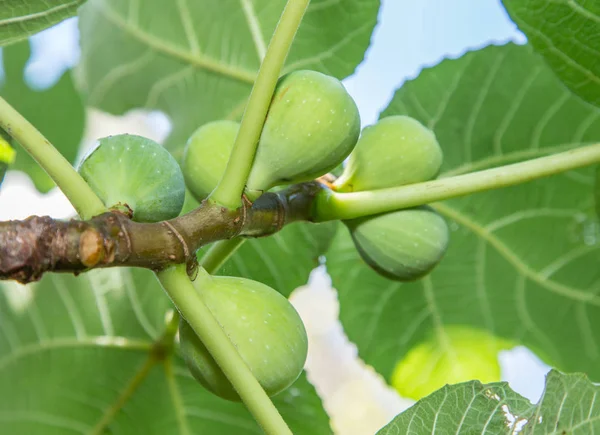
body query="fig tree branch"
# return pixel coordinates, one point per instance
(36, 245)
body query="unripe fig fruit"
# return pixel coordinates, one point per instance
(206, 154)
(261, 323)
(402, 245)
(7, 155)
(397, 150)
(311, 127)
(597, 191)
(135, 172)
(470, 354)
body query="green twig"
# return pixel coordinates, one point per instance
(216, 256)
(219, 253)
(83, 198)
(191, 306)
(229, 191)
(332, 205)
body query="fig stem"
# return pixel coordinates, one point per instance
(83, 198)
(228, 192)
(211, 262)
(219, 253)
(191, 306)
(331, 205)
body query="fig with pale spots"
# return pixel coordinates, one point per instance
(136, 173)
(260, 322)
(206, 154)
(397, 150)
(311, 127)
(403, 245)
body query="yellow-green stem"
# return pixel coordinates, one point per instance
(229, 191)
(193, 309)
(332, 205)
(83, 198)
(218, 254)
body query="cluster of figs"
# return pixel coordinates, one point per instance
(312, 127)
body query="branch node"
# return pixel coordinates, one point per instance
(91, 247)
(184, 245)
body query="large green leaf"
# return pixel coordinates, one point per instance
(196, 60)
(522, 261)
(57, 112)
(566, 33)
(466, 408)
(20, 19)
(70, 348)
(283, 260)
(568, 406)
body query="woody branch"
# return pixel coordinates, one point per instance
(36, 245)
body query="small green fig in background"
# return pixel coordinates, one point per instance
(261, 323)
(397, 150)
(136, 172)
(7, 155)
(403, 245)
(597, 191)
(312, 126)
(206, 154)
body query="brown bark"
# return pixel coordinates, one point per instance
(36, 245)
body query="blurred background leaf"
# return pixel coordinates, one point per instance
(20, 19)
(72, 346)
(57, 112)
(196, 61)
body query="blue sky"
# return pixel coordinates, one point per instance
(415, 34)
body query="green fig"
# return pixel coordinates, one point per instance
(403, 245)
(137, 173)
(597, 191)
(206, 154)
(397, 150)
(470, 354)
(7, 155)
(262, 324)
(311, 127)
